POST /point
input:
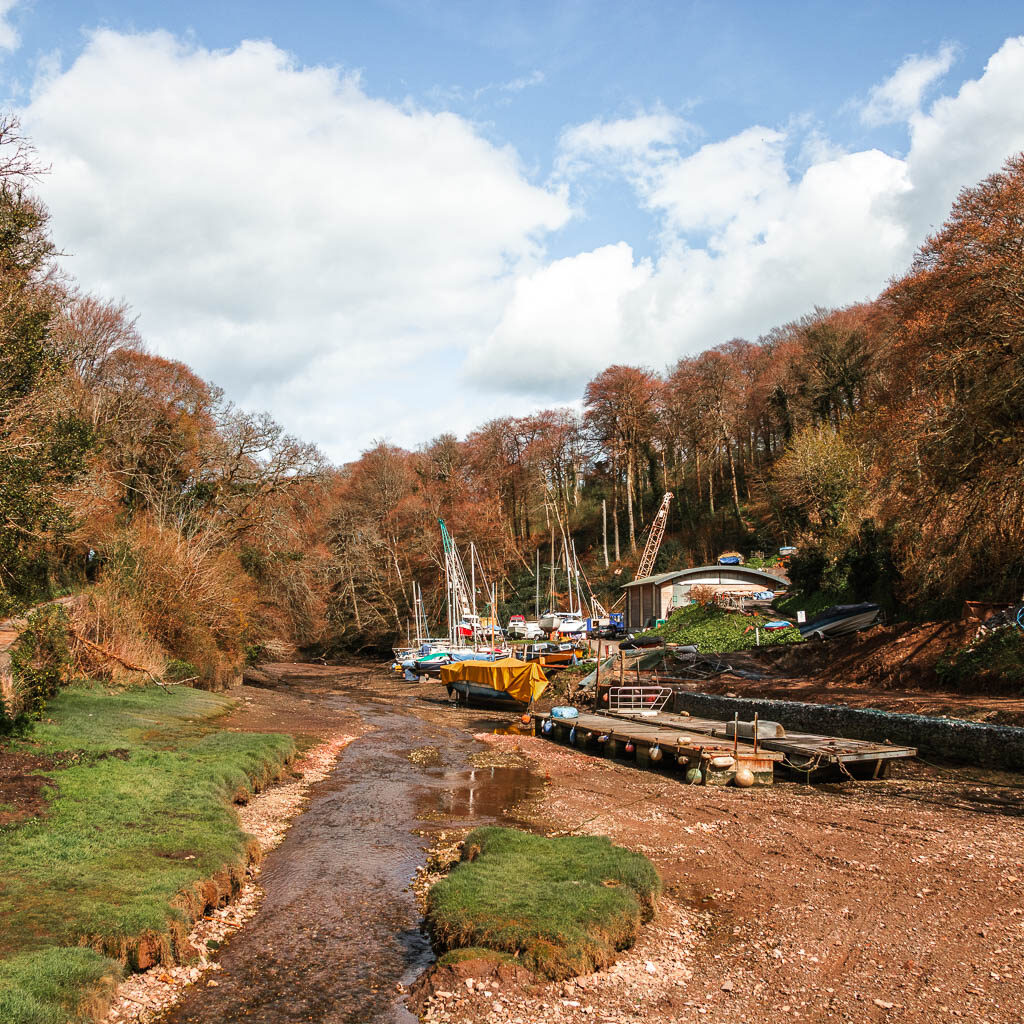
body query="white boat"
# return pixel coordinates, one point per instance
(572, 624)
(520, 628)
(550, 622)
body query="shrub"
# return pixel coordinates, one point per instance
(714, 630)
(40, 660)
(993, 662)
(177, 670)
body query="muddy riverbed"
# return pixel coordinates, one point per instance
(871, 901)
(339, 929)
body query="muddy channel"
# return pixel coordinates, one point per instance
(339, 929)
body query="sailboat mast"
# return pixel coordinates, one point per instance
(551, 603)
(536, 582)
(472, 575)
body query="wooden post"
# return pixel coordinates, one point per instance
(622, 667)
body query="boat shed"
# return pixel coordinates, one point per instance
(654, 597)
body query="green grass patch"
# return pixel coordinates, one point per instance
(716, 631)
(995, 662)
(55, 986)
(139, 815)
(562, 907)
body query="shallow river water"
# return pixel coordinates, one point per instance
(339, 927)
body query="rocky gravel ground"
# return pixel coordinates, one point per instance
(863, 901)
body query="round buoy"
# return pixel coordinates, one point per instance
(630, 747)
(603, 738)
(694, 777)
(572, 735)
(682, 759)
(526, 719)
(547, 726)
(655, 753)
(604, 697)
(744, 778)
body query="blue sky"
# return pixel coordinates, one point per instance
(491, 205)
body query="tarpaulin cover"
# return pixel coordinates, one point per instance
(523, 680)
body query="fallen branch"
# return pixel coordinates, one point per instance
(117, 657)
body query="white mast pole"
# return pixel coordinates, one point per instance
(472, 573)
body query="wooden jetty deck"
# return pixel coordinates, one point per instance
(714, 760)
(805, 753)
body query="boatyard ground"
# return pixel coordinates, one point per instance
(901, 898)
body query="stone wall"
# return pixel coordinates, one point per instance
(988, 746)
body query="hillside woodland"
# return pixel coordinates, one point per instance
(885, 440)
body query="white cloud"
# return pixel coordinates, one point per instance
(748, 241)
(633, 142)
(963, 138)
(900, 96)
(9, 37)
(310, 248)
(365, 269)
(535, 77)
(558, 314)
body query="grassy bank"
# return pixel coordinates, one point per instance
(562, 907)
(716, 631)
(137, 836)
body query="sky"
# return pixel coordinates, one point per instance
(390, 220)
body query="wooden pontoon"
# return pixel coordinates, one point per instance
(717, 760)
(807, 754)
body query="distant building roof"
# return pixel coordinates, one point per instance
(729, 572)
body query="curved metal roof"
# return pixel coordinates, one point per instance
(754, 575)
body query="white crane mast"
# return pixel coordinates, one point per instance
(654, 538)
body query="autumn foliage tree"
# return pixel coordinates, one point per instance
(886, 439)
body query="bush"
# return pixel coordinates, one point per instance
(40, 660)
(562, 906)
(716, 631)
(177, 670)
(994, 662)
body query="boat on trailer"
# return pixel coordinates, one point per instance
(839, 620)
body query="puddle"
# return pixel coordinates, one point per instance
(339, 928)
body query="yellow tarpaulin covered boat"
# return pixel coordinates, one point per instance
(505, 681)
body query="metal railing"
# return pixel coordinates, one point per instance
(638, 700)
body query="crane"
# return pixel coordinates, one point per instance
(654, 538)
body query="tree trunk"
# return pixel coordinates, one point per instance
(735, 489)
(629, 502)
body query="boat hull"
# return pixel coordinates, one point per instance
(854, 619)
(484, 696)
